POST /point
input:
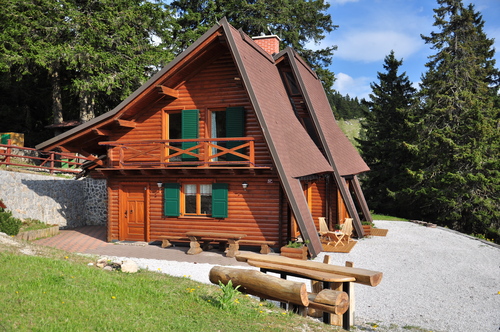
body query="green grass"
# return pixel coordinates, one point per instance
(60, 292)
(33, 225)
(351, 128)
(384, 217)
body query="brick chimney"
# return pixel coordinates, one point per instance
(270, 43)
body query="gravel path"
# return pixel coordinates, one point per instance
(434, 280)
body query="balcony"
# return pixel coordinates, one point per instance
(198, 152)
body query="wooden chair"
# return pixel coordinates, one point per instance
(336, 237)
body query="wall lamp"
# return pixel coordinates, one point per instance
(244, 185)
(159, 184)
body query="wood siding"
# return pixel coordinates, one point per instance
(212, 88)
(254, 212)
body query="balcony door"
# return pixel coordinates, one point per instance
(229, 122)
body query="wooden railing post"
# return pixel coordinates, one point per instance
(52, 162)
(252, 152)
(8, 151)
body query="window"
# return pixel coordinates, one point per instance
(195, 199)
(182, 125)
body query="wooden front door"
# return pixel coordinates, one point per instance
(133, 212)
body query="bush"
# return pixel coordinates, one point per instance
(8, 224)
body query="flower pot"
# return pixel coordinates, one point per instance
(367, 229)
(297, 253)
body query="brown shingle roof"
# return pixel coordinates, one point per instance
(294, 152)
(339, 149)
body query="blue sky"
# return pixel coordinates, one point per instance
(370, 29)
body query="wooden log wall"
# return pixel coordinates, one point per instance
(254, 212)
(216, 86)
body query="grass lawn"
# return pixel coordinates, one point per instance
(57, 291)
(384, 217)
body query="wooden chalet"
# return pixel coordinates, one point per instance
(233, 135)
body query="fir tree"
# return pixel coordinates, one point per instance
(457, 165)
(384, 133)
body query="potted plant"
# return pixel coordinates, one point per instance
(367, 227)
(297, 250)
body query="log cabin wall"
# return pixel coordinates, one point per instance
(254, 212)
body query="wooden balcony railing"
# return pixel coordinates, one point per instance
(202, 152)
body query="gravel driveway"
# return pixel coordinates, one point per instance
(434, 280)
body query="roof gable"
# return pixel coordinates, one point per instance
(338, 148)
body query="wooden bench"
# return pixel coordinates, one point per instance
(264, 245)
(333, 277)
(196, 236)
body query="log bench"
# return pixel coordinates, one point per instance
(196, 237)
(333, 277)
(264, 245)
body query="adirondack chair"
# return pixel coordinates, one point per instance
(338, 236)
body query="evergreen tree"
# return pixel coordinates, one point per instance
(346, 108)
(457, 167)
(384, 136)
(94, 53)
(296, 22)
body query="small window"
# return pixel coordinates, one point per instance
(195, 199)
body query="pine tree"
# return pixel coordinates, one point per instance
(384, 134)
(457, 165)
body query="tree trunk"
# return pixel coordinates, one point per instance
(57, 111)
(261, 284)
(87, 105)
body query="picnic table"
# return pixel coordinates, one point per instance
(332, 276)
(196, 237)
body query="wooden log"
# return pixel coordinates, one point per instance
(261, 284)
(316, 287)
(363, 276)
(337, 302)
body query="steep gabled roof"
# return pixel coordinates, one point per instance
(294, 152)
(342, 155)
(147, 88)
(338, 148)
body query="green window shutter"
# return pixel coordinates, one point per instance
(219, 200)
(190, 125)
(171, 199)
(4, 139)
(235, 127)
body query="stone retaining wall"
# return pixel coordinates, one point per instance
(65, 202)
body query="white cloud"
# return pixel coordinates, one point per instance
(371, 46)
(354, 87)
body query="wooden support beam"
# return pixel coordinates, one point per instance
(125, 123)
(168, 91)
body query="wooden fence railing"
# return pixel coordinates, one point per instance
(12, 155)
(202, 152)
